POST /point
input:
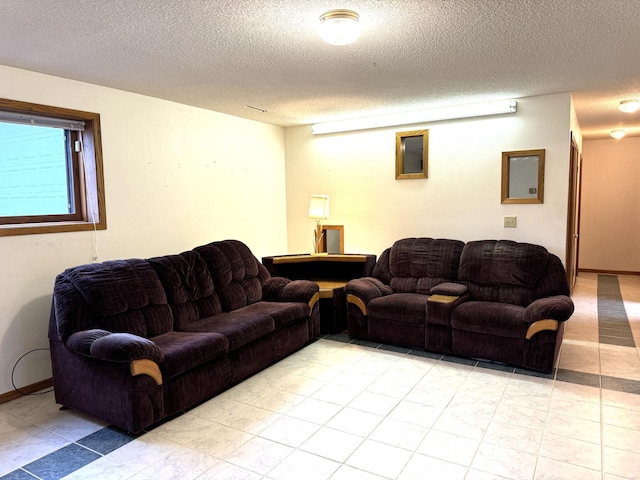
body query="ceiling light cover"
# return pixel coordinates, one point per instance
(339, 27)
(629, 106)
(618, 133)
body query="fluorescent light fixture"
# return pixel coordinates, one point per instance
(420, 116)
(629, 106)
(618, 133)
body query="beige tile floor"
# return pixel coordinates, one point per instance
(342, 411)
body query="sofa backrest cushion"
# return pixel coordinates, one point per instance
(418, 264)
(511, 272)
(188, 286)
(236, 273)
(117, 295)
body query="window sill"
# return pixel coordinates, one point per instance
(54, 227)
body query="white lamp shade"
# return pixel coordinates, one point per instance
(319, 206)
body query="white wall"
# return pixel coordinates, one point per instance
(175, 177)
(610, 210)
(461, 197)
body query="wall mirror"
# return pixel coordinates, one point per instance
(523, 176)
(412, 153)
(332, 239)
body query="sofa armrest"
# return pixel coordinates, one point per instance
(279, 289)
(142, 354)
(447, 292)
(545, 313)
(361, 291)
(559, 307)
(449, 288)
(443, 299)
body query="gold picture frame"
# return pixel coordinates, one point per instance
(523, 176)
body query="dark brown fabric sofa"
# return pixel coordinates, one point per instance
(135, 341)
(496, 300)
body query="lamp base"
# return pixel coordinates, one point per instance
(318, 254)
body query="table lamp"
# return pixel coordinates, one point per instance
(318, 209)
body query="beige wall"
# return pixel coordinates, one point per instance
(178, 176)
(610, 206)
(461, 197)
(175, 177)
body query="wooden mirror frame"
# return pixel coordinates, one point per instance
(506, 176)
(323, 243)
(401, 138)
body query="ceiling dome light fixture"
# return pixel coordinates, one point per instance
(629, 106)
(618, 133)
(339, 27)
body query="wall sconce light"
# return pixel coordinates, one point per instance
(629, 106)
(318, 210)
(339, 27)
(420, 116)
(618, 133)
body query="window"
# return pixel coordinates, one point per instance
(51, 176)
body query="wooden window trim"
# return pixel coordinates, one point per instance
(91, 205)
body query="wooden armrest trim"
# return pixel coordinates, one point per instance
(144, 366)
(437, 298)
(313, 301)
(357, 302)
(541, 325)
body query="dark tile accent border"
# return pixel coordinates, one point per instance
(339, 337)
(106, 440)
(74, 456)
(18, 475)
(425, 354)
(613, 323)
(580, 378)
(394, 348)
(366, 343)
(460, 360)
(620, 384)
(61, 462)
(501, 367)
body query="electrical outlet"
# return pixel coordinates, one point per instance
(510, 221)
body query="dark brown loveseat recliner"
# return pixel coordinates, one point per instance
(135, 341)
(495, 300)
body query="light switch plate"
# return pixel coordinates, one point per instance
(510, 221)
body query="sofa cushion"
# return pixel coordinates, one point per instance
(418, 264)
(283, 313)
(490, 318)
(400, 307)
(239, 328)
(503, 263)
(237, 275)
(121, 295)
(509, 272)
(188, 286)
(185, 350)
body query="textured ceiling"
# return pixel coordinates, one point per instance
(412, 54)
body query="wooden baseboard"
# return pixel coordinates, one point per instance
(609, 272)
(35, 387)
